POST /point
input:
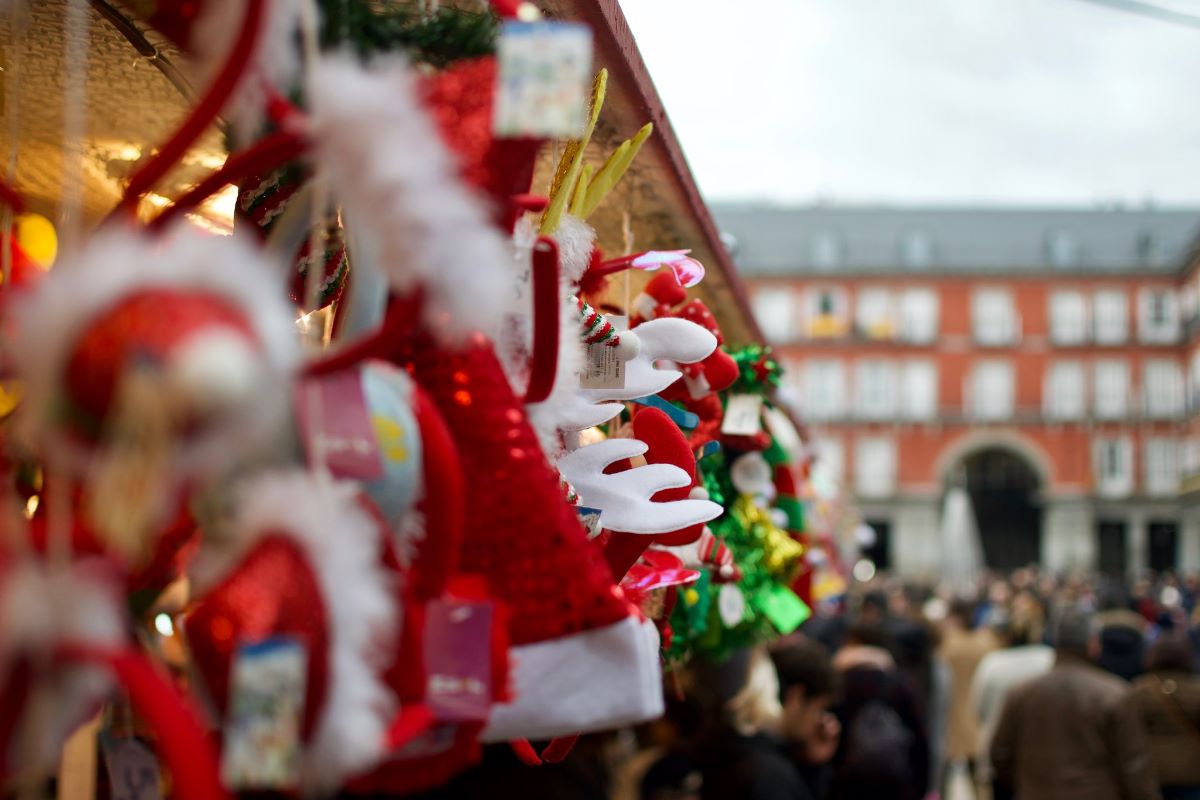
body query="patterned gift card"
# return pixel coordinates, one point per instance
(542, 80)
(590, 517)
(266, 706)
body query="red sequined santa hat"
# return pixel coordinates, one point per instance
(303, 558)
(584, 658)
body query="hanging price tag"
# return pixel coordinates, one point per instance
(133, 772)
(266, 706)
(743, 415)
(335, 425)
(544, 70)
(458, 661)
(602, 369)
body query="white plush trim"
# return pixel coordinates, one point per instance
(624, 498)
(546, 415)
(40, 608)
(398, 182)
(343, 545)
(274, 64)
(576, 240)
(592, 681)
(117, 262)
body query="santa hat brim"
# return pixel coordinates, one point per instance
(600, 679)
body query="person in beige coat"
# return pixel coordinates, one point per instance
(962, 648)
(1075, 732)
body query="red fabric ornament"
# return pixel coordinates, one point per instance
(273, 592)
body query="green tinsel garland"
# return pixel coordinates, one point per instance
(437, 37)
(758, 370)
(771, 609)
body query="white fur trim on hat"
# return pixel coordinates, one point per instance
(399, 185)
(118, 262)
(576, 240)
(342, 542)
(597, 680)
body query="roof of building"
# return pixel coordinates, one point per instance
(774, 240)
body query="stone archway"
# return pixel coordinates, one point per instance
(1004, 492)
(1005, 477)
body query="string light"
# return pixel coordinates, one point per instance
(164, 624)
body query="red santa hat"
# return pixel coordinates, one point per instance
(200, 318)
(303, 558)
(584, 659)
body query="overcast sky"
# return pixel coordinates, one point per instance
(928, 101)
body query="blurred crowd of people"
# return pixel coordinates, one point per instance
(1034, 688)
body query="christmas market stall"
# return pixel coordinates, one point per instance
(376, 387)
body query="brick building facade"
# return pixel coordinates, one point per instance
(1047, 359)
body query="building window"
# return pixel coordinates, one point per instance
(1190, 460)
(829, 466)
(875, 313)
(919, 390)
(875, 467)
(824, 389)
(826, 250)
(1110, 316)
(918, 316)
(1068, 318)
(916, 249)
(1158, 316)
(1161, 464)
(1062, 249)
(875, 385)
(775, 310)
(991, 393)
(1113, 465)
(826, 313)
(1064, 395)
(1162, 388)
(994, 319)
(1110, 395)
(1194, 388)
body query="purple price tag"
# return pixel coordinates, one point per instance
(335, 425)
(458, 659)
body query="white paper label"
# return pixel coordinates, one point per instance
(784, 433)
(731, 605)
(743, 415)
(602, 369)
(543, 79)
(266, 706)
